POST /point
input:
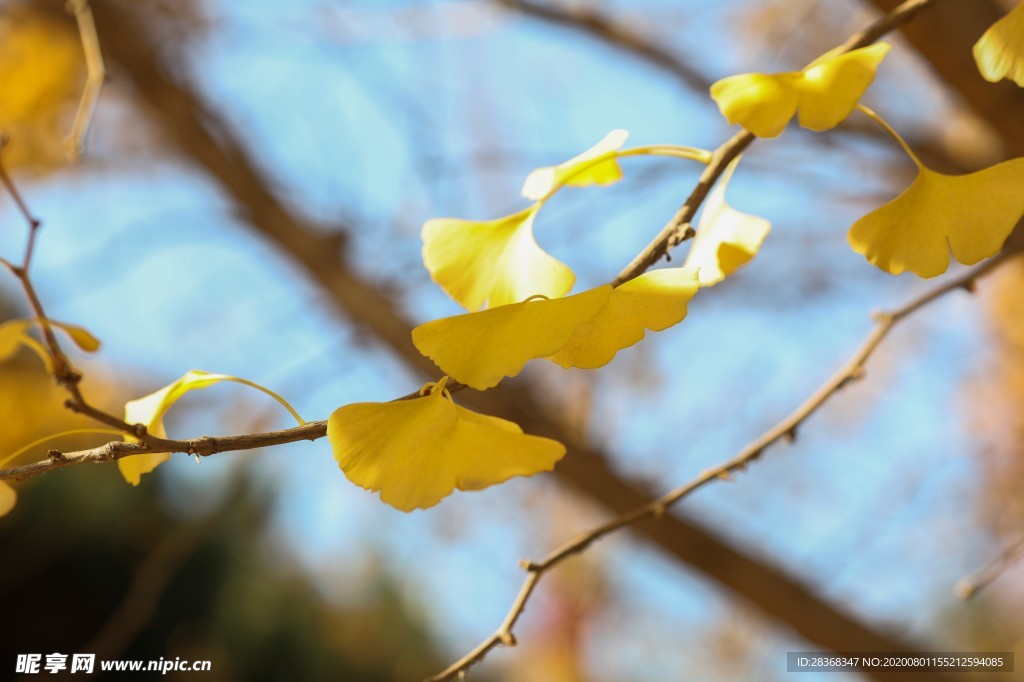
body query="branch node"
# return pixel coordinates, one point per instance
(528, 566)
(56, 456)
(203, 446)
(970, 286)
(659, 510)
(507, 639)
(791, 434)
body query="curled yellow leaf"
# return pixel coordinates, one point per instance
(971, 215)
(726, 239)
(14, 334)
(824, 93)
(150, 410)
(999, 53)
(492, 262)
(480, 349)
(596, 166)
(655, 300)
(8, 498)
(416, 452)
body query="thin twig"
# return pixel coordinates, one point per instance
(852, 370)
(985, 576)
(63, 371)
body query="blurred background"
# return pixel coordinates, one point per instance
(250, 203)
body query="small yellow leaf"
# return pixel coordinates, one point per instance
(655, 300)
(726, 239)
(596, 166)
(12, 334)
(479, 349)
(761, 103)
(81, 336)
(492, 262)
(1000, 51)
(824, 93)
(8, 498)
(416, 452)
(972, 215)
(150, 410)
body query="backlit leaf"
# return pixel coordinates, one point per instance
(1000, 51)
(972, 215)
(41, 77)
(479, 349)
(150, 410)
(416, 452)
(8, 498)
(823, 94)
(492, 262)
(726, 239)
(596, 166)
(655, 300)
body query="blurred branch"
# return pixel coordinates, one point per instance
(199, 134)
(943, 37)
(95, 75)
(598, 25)
(973, 584)
(852, 370)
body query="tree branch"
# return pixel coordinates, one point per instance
(852, 370)
(601, 27)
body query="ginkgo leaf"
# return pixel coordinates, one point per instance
(82, 337)
(479, 349)
(14, 334)
(824, 93)
(596, 166)
(655, 300)
(11, 334)
(8, 498)
(492, 262)
(972, 215)
(41, 79)
(150, 410)
(1000, 51)
(416, 452)
(726, 239)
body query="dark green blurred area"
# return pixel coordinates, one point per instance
(91, 565)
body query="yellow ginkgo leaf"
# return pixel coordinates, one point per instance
(416, 452)
(596, 166)
(824, 93)
(82, 337)
(492, 262)
(42, 76)
(655, 300)
(972, 215)
(726, 239)
(8, 498)
(150, 410)
(479, 349)
(1000, 51)
(14, 334)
